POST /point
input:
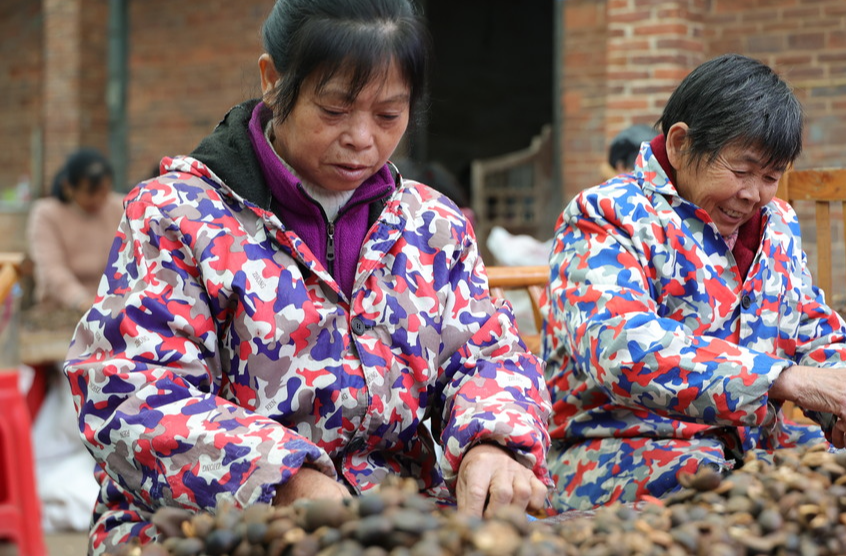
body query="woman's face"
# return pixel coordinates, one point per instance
(336, 142)
(90, 199)
(731, 189)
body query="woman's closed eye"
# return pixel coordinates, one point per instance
(332, 111)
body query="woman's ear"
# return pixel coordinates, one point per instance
(269, 75)
(676, 141)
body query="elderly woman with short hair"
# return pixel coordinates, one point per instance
(681, 313)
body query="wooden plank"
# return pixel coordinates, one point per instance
(817, 185)
(823, 275)
(517, 276)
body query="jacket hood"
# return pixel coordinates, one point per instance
(228, 152)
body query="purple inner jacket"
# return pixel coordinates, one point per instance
(305, 217)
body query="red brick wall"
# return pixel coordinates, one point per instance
(805, 40)
(187, 67)
(20, 87)
(650, 45)
(74, 103)
(583, 103)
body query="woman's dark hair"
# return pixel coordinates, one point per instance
(85, 166)
(735, 99)
(332, 36)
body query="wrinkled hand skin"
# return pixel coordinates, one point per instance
(311, 484)
(490, 479)
(817, 390)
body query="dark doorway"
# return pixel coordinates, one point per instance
(492, 82)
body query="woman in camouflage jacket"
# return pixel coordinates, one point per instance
(282, 312)
(681, 314)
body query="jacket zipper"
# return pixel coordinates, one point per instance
(330, 247)
(330, 226)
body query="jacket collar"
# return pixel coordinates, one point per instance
(228, 152)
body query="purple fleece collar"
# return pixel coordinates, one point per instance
(304, 216)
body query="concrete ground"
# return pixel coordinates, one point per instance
(67, 544)
(58, 544)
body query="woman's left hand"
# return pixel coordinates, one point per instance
(489, 478)
(817, 389)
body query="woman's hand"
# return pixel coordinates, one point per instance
(816, 389)
(311, 484)
(489, 478)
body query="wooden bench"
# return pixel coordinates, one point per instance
(529, 279)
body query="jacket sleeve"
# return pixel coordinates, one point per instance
(605, 313)
(145, 372)
(53, 274)
(490, 386)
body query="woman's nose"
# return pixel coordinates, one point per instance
(359, 133)
(752, 191)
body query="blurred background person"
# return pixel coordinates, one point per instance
(69, 233)
(624, 148)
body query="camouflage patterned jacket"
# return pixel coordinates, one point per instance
(220, 356)
(659, 357)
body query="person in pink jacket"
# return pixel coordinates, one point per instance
(70, 233)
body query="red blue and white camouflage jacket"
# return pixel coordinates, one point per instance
(220, 357)
(659, 356)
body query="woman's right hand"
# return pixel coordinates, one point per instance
(816, 389)
(311, 484)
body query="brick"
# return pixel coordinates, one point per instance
(21, 88)
(719, 19)
(614, 5)
(627, 104)
(632, 44)
(806, 41)
(629, 75)
(801, 12)
(835, 91)
(581, 16)
(765, 43)
(654, 89)
(664, 59)
(617, 17)
(788, 59)
(836, 39)
(800, 73)
(670, 74)
(721, 46)
(684, 45)
(663, 29)
(834, 9)
(780, 26)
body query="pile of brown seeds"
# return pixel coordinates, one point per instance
(797, 506)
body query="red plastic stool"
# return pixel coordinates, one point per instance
(20, 509)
